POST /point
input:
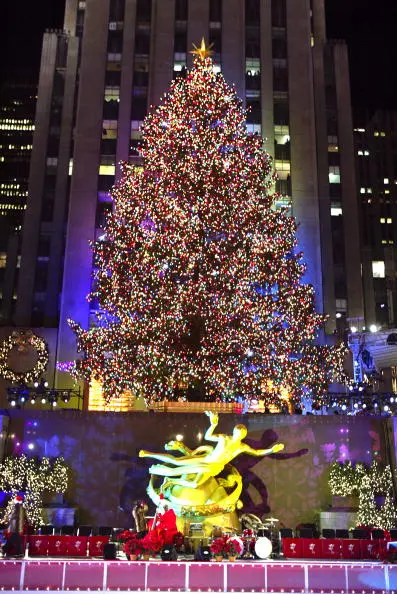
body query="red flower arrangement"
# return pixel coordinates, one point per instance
(219, 546)
(132, 546)
(179, 540)
(232, 547)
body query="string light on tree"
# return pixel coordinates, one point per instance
(366, 482)
(34, 477)
(198, 268)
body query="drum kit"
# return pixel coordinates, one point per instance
(260, 543)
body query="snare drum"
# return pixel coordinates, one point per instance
(263, 547)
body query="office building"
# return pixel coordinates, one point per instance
(17, 110)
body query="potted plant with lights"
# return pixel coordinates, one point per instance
(151, 544)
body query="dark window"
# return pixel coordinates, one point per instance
(47, 210)
(142, 43)
(112, 78)
(252, 82)
(181, 10)
(252, 12)
(40, 283)
(139, 108)
(115, 42)
(116, 11)
(279, 45)
(110, 110)
(108, 146)
(216, 40)
(283, 151)
(215, 11)
(252, 42)
(281, 113)
(43, 248)
(254, 111)
(280, 79)
(180, 42)
(144, 11)
(279, 13)
(103, 209)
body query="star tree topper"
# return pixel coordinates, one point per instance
(203, 51)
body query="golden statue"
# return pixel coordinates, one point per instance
(191, 482)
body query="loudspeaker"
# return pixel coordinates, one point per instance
(109, 551)
(203, 554)
(169, 553)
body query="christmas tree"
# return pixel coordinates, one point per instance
(198, 276)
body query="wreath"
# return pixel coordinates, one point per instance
(22, 340)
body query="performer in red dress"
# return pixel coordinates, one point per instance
(164, 522)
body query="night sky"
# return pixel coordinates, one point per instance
(369, 29)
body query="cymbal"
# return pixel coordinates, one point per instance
(271, 520)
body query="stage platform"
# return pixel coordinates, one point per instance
(308, 577)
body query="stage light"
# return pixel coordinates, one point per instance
(353, 329)
(355, 405)
(364, 405)
(373, 328)
(31, 446)
(386, 408)
(392, 399)
(179, 437)
(344, 407)
(169, 553)
(36, 384)
(13, 402)
(33, 400)
(65, 396)
(43, 401)
(203, 554)
(23, 399)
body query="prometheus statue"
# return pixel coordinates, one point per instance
(191, 482)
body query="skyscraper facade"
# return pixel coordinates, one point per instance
(98, 78)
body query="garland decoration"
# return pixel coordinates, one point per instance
(22, 340)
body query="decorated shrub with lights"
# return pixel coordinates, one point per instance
(366, 482)
(34, 477)
(197, 274)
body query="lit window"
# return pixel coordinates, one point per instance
(336, 211)
(254, 128)
(383, 133)
(109, 129)
(281, 134)
(107, 170)
(52, 161)
(387, 191)
(3, 259)
(385, 180)
(369, 190)
(378, 269)
(382, 220)
(283, 169)
(362, 190)
(253, 66)
(359, 130)
(112, 93)
(376, 133)
(334, 174)
(70, 166)
(389, 220)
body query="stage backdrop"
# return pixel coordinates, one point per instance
(107, 475)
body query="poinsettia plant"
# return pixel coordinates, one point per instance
(132, 546)
(219, 546)
(232, 547)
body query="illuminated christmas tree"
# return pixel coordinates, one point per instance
(198, 275)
